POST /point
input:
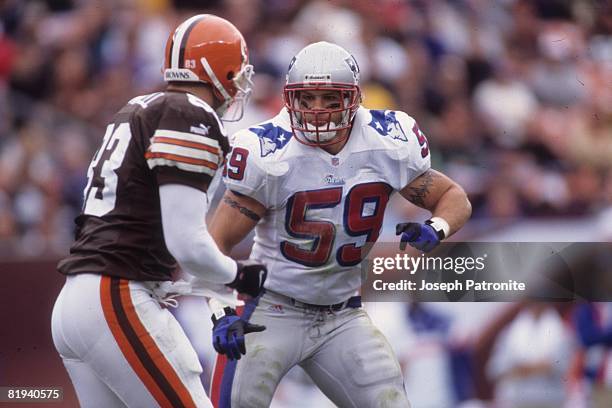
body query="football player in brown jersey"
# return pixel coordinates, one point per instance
(144, 211)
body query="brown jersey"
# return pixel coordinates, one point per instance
(165, 137)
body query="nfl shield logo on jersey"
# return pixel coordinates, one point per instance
(335, 161)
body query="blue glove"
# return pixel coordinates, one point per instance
(228, 333)
(420, 236)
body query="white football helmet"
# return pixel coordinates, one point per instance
(322, 66)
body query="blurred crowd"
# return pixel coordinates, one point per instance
(516, 355)
(515, 96)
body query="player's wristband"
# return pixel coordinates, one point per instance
(226, 311)
(217, 307)
(440, 225)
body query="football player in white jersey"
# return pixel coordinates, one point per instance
(314, 182)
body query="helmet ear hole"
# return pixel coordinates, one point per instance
(230, 75)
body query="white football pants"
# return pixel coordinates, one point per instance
(121, 348)
(346, 356)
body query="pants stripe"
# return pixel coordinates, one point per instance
(225, 370)
(139, 348)
(215, 384)
(223, 376)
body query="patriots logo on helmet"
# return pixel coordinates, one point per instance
(271, 137)
(291, 64)
(352, 63)
(289, 69)
(386, 124)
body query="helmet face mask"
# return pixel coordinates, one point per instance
(208, 49)
(232, 108)
(328, 74)
(319, 125)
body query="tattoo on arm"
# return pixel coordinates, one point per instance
(241, 208)
(417, 195)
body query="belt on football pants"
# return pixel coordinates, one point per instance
(352, 302)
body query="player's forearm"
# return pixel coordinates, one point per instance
(220, 226)
(216, 305)
(199, 256)
(454, 207)
(439, 194)
(187, 238)
(234, 219)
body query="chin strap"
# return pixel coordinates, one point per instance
(242, 96)
(218, 86)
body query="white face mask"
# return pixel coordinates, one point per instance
(234, 111)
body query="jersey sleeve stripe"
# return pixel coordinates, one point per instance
(184, 152)
(181, 159)
(189, 137)
(174, 160)
(184, 143)
(192, 168)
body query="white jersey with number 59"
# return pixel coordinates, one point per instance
(323, 208)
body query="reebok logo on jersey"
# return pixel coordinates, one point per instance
(333, 180)
(201, 129)
(276, 309)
